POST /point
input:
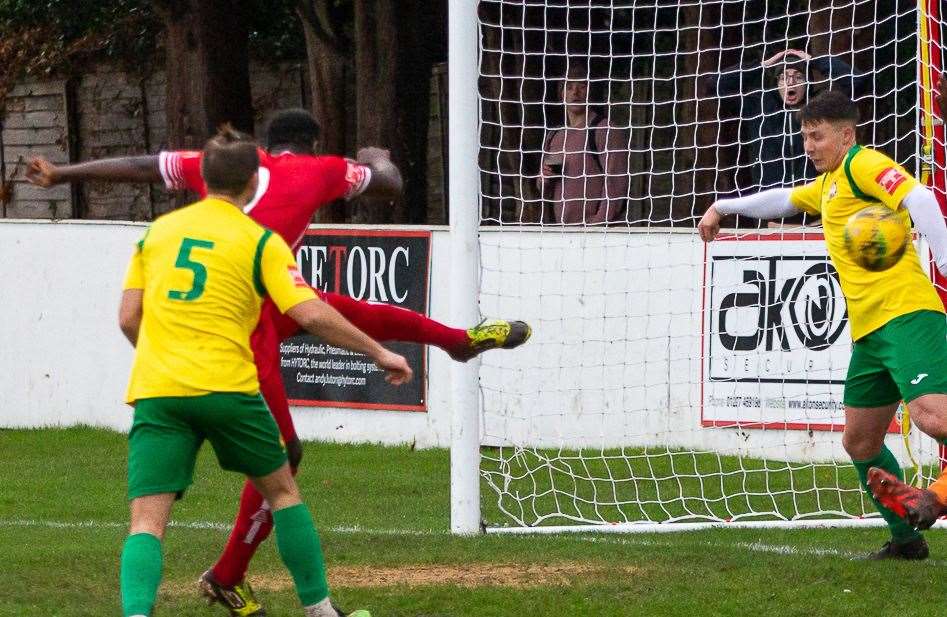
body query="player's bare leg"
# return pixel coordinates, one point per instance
(141, 562)
(863, 439)
(226, 581)
(920, 508)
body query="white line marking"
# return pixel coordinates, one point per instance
(347, 529)
(387, 532)
(754, 547)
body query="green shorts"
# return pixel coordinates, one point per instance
(900, 361)
(168, 431)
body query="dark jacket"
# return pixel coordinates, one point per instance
(770, 140)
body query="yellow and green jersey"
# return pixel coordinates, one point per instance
(868, 177)
(205, 270)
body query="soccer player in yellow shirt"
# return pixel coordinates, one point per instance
(899, 331)
(191, 299)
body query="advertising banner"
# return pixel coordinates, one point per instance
(390, 266)
(776, 339)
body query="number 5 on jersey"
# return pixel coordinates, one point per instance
(200, 271)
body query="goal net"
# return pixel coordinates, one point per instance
(668, 381)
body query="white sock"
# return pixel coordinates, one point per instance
(322, 609)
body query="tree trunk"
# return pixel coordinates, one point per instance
(423, 41)
(509, 182)
(184, 92)
(227, 64)
(329, 68)
(490, 133)
(395, 47)
(208, 69)
(377, 109)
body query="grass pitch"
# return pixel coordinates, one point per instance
(383, 518)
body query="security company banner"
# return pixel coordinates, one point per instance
(390, 266)
(776, 339)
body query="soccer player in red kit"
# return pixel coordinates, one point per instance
(294, 183)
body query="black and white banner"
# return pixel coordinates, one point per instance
(375, 266)
(776, 338)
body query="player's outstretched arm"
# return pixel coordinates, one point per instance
(320, 319)
(386, 182)
(123, 169)
(771, 204)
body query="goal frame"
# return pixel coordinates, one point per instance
(464, 126)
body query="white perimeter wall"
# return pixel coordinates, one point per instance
(615, 358)
(63, 360)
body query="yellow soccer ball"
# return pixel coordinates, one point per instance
(876, 238)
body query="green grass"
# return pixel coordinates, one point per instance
(380, 507)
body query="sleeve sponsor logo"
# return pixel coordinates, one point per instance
(297, 276)
(890, 179)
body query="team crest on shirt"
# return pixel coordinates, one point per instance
(890, 179)
(833, 190)
(297, 276)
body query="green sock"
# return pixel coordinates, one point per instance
(140, 573)
(900, 530)
(298, 544)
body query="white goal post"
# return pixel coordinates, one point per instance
(669, 385)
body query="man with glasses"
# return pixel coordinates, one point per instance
(769, 95)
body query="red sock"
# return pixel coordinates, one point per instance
(253, 525)
(386, 322)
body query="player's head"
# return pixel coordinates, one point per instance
(295, 129)
(229, 165)
(828, 124)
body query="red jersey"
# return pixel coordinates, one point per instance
(292, 187)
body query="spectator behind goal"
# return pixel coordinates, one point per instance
(584, 168)
(771, 93)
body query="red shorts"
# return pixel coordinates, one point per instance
(273, 328)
